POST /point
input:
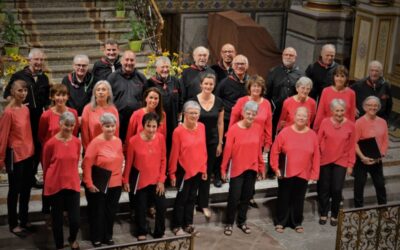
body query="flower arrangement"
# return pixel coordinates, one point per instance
(12, 64)
(177, 65)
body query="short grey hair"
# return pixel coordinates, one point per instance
(81, 57)
(240, 56)
(93, 102)
(250, 106)
(108, 118)
(162, 59)
(67, 117)
(372, 97)
(303, 81)
(35, 51)
(337, 102)
(191, 105)
(376, 64)
(328, 46)
(197, 49)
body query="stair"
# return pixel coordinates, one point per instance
(64, 29)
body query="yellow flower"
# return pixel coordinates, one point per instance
(165, 53)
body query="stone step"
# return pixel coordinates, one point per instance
(67, 12)
(75, 23)
(74, 34)
(82, 3)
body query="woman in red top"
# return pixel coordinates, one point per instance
(370, 126)
(146, 156)
(243, 148)
(152, 100)
(301, 99)
(104, 151)
(338, 90)
(298, 146)
(337, 146)
(60, 160)
(101, 102)
(16, 151)
(49, 123)
(190, 151)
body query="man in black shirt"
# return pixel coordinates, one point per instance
(224, 66)
(191, 76)
(109, 63)
(127, 86)
(281, 83)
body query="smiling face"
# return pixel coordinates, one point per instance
(200, 57)
(191, 116)
(301, 118)
(111, 51)
(340, 81)
(101, 93)
(108, 130)
(66, 127)
(60, 99)
(207, 86)
(240, 65)
(248, 117)
(128, 62)
(303, 91)
(228, 52)
(289, 57)
(152, 99)
(81, 67)
(338, 113)
(328, 55)
(19, 92)
(36, 62)
(374, 73)
(256, 89)
(163, 69)
(150, 128)
(371, 107)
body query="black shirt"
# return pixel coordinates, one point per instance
(103, 68)
(322, 77)
(221, 72)
(191, 81)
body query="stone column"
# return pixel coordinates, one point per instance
(324, 5)
(376, 37)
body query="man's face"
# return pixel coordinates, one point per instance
(328, 55)
(374, 73)
(240, 66)
(81, 67)
(111, 51)
(36, 62)
(289, 57)
(228, 52)
(163, 69)
(201, 58)
(128, 62)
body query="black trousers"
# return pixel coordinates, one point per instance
(330, 186)
(142, 198)
(101, 213)
(212, 168)
(290, 204)
(241, 190)
(360, 178)
(184, 202)
(65, 200)
(19, 190)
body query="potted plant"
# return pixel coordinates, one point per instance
(120, 9)
(11, 35)
(136, 35)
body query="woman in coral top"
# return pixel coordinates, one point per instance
(243, 149)
(301, 99)
(16, 151)
(337, 146)
(298, 146)
(338, 90)
(104, 151)
(152, 100)
(147, 155)
(62, 187)
(370, 126)
(49, 123)
(101, 102)
(190, 152)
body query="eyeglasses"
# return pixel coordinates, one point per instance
(81, 65)
(193, 113)
(228, 51)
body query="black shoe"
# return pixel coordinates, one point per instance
(217, 183)
(21, 234)
(334, 222)
(322, 221)
(29, 228)
(109, 242)
(96, 244)
(253, 203)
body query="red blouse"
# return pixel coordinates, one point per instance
(243, 146)
(91, 126)
(149, 157)
(328, 94)
(367, 128)
(337, 143)
(106, 154)
(49, 124)
(302, 152)
(60, 165)
(135, 125)
(189, 148)
(16, 133)
(290, 105)
(263, 118)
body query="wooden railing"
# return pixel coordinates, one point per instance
(148, 11)
(184, 242)
(373, 227)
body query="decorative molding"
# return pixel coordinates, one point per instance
(361, 46)
(383, 41)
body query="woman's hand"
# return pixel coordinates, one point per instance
(160, 189)
(173, 182)
(278, 174)
(349, 171)
(204, 176)
(126, 187)
(223, 177)
(368, 161)
(219, 150)
(93, 189)
(261, 176)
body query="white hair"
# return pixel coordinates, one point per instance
(81, 57)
